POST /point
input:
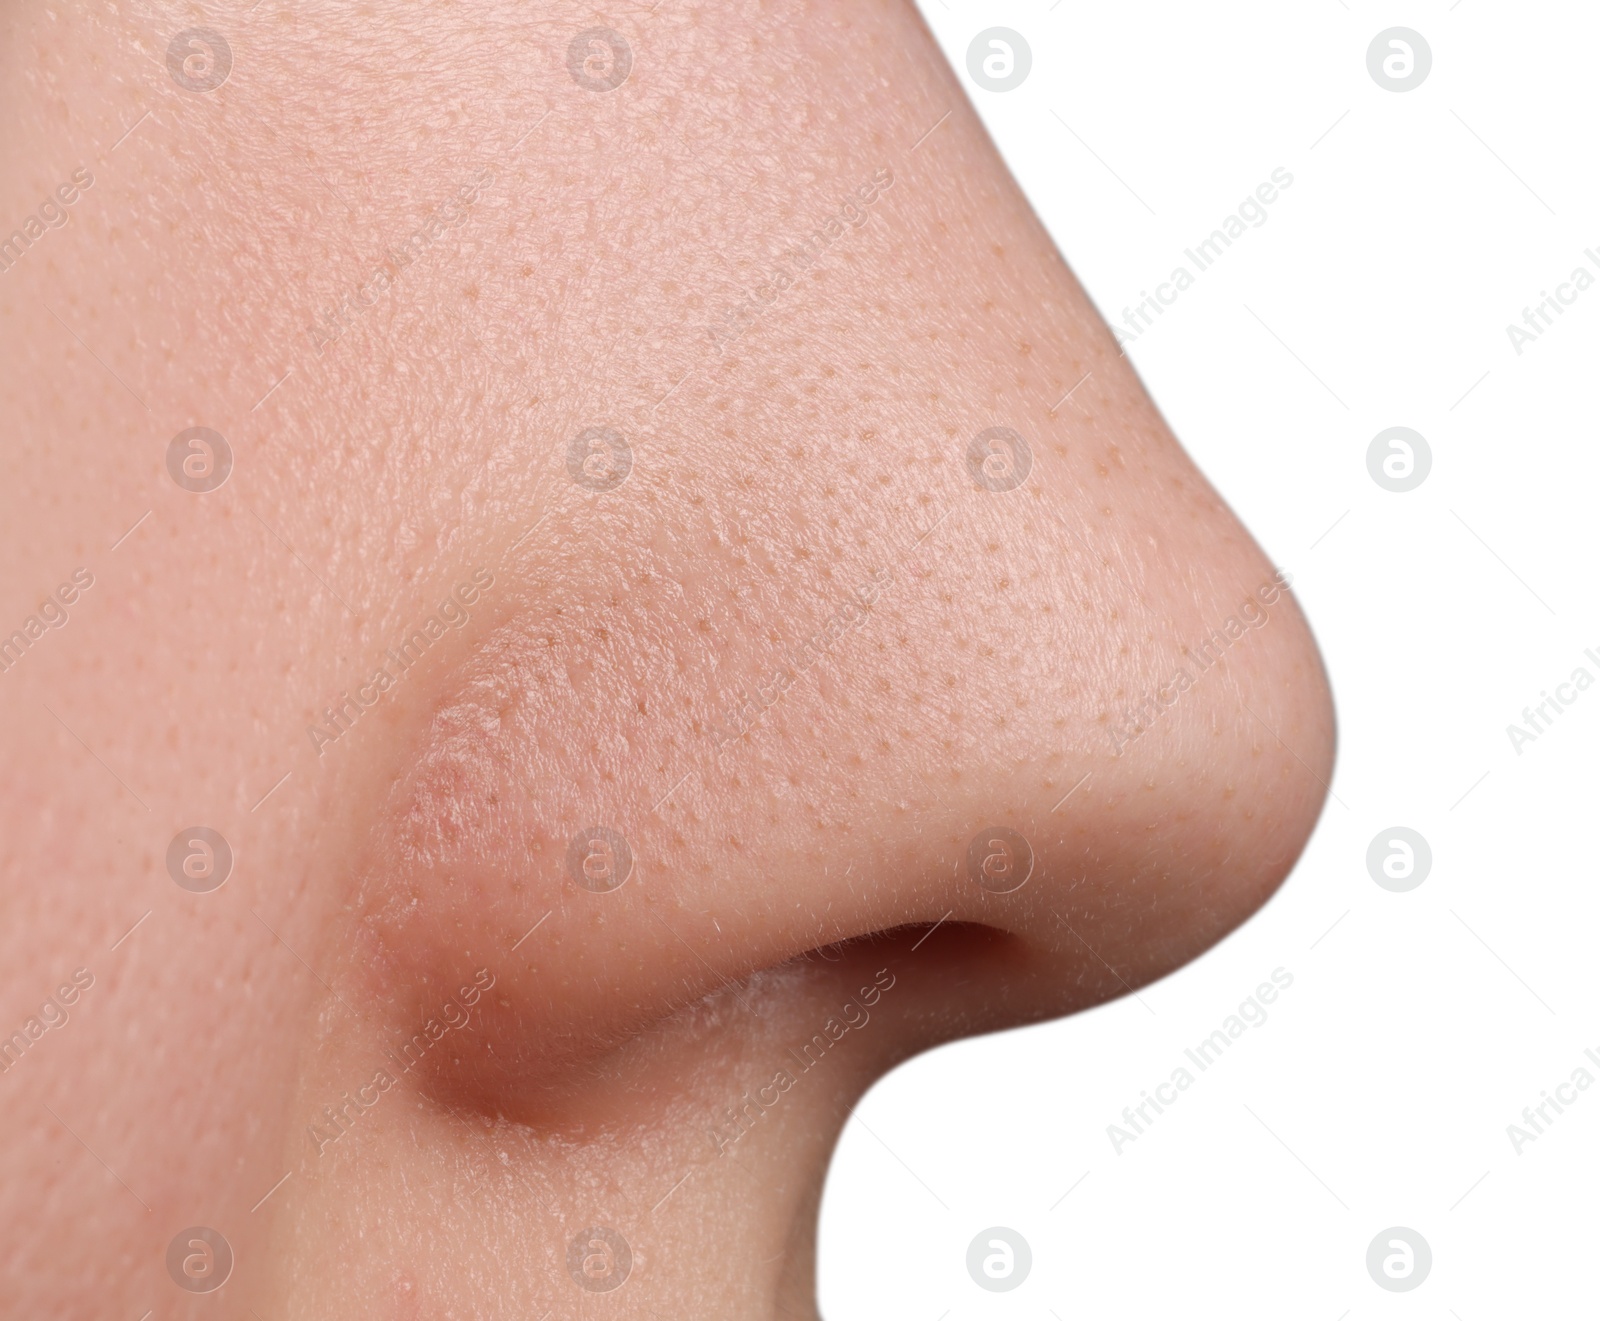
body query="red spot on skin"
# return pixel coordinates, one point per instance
(406, 1301)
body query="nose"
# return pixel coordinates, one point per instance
(1041, 762)
(684, 854)
(865, 697)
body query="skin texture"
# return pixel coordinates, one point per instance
(631, 658)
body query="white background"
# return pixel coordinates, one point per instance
(1378, 1093)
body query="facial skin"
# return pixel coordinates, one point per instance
(631, 656)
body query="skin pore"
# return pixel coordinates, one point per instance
(623, 671)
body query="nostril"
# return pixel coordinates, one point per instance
(484, 1046)
(906, 938)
